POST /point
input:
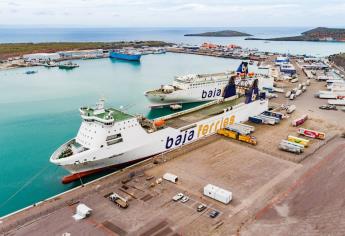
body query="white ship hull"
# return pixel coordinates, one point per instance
(138, 144)
(209, 93)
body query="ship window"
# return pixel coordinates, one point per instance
(113, 137)
(112, 142)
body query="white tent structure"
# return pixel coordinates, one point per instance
(82, 211)
(170, 177)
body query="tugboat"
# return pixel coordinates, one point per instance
(68, 65)
(129, 55)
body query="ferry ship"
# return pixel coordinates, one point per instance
(204, 87)
(129, 55)
(111, 137)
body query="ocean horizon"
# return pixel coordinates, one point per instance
(29, 34)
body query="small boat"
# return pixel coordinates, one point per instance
(50, 64)
(68, 65)
(30, 72)
(159, 51)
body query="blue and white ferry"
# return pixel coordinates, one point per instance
(122, 54)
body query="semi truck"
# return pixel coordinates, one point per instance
(235, 135)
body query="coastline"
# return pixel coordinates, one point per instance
(11, 53)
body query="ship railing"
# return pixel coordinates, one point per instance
(58, 153)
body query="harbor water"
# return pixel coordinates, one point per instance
(39, 112)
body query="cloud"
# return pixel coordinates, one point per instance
(44, 13)
(174, 12)
(13, 4)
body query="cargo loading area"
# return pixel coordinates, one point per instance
(253, 174)
(227, 164)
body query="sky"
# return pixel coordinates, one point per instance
(173, 13)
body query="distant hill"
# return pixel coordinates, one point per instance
(317, 34)
(223, 33)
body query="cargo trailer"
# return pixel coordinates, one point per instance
(301, 141)
(291, 147)
(311, 133)
(218, 193)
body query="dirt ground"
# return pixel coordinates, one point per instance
(313, 205)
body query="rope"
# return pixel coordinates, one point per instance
(24, 186)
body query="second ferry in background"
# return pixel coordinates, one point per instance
(205, 87)
(129, 55)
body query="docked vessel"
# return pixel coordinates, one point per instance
(205, 87)
(129, 55)
(111, 137)
(50, 64)
(68, 65)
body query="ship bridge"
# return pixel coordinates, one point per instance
(100, 114)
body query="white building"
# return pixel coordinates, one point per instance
(41, 57)
(82, 53)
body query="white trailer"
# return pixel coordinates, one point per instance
(337, 102)
(170, 177)
(218, 193)
(269, 119)
(291, 147)
(241, 128)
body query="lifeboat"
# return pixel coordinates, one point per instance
(159, 123)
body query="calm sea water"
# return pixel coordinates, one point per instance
(39, 112)
(175, 35)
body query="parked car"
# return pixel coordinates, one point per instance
(328, 107)
(185, 199)
(201, 207)
(177, 197)
(214, 214)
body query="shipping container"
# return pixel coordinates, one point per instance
(228, 133)
(311, 133)
(218, 193)
(255, 119)
(301, 141)
(291, 109)
(299, 121)
(241, 128)
(273, 114)
(269, 119)
(291, 147)
(247, 139)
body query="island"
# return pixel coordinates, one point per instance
(338, 60)
(223, 33)
(320, 34)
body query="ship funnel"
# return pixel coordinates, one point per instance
(100, 104)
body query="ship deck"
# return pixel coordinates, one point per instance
(195, 116)
(116, 114)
